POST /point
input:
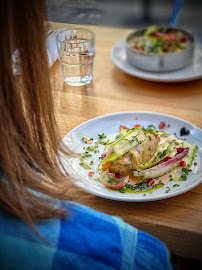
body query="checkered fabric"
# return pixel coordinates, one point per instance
(86, 239)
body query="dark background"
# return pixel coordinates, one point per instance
(125, 13)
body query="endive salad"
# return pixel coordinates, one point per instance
(142, 159)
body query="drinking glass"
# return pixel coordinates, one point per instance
(76, 53)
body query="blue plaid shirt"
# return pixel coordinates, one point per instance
(86, 239)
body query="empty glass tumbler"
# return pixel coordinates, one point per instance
(76, 53)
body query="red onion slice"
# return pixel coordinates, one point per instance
(162, 168)
(109, 180)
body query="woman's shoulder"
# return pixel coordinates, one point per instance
(86, 238)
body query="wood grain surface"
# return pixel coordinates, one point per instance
(176, 221)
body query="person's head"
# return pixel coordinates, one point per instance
(29, 138)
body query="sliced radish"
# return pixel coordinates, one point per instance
(109, 180)
(162, 168)
(169, 37)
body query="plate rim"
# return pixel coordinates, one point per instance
(132, 199)
(145, 73)
(131, 112)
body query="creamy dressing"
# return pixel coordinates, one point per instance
(165, 178)
(134, 180)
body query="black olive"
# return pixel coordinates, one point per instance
(184, 131)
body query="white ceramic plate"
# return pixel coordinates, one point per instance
(109, 124)
(189, 73)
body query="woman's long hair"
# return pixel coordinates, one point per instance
(29, 139)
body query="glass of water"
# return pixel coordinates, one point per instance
(76, 53)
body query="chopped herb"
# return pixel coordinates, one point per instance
(102, 136)
(128, 185)
(184, 177)
(168, 125)
(176, 185)
(143, 152)
(164, 135)
(86, 155)
(150, 138)
(91, 139)
(144, 194)
(143, 186)
(185, 170)
(123, 189)
(85, 165)
(176, 143)
(83, 139)
(151, 126)
(195, 163)
(168, 189)
(92, 148)
(163, 153)
(101, 142)
(160, 183)
(91, 162)
(171, 179)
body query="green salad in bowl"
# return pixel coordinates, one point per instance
(159, 48)
(157, 39)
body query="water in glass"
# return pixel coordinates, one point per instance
(77, 61)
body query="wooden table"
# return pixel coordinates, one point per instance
(176, 221)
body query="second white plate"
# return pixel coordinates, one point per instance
(189, 73)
